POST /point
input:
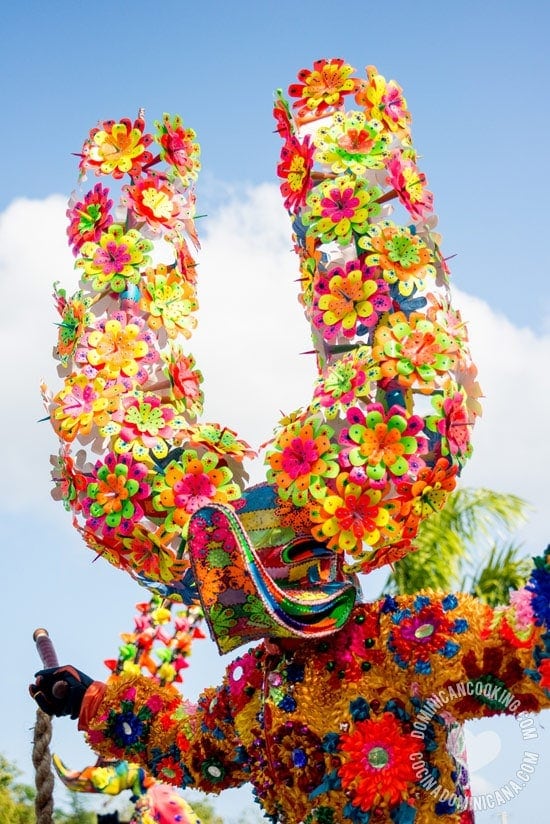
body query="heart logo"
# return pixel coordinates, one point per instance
(482, 749)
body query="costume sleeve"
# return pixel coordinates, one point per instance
(134, 719)
(461, 656)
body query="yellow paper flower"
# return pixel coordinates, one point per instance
(350, 517)
(383, 100)
(170, 302)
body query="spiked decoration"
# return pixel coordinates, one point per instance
(160, 643)
(388, 428)
(134, 464)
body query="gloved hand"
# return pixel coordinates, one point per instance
(60, 690)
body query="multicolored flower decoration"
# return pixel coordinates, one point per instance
(114, 262)
(160, 643)
(414, 351)
(383, 100)
(410, 185)
(349, 301)
(133, 465)
(189, 483)
(88, 217)
(352, 144)
(354, 516)
(402, 255)
(117, 347)
(396, 381)
(169, 302)
(383, 444)
(154, 200)
(339, 209)
(114, 494)
(295, 168)
(117, 148)
(301, 459)
(178, 148)
(323, 87)
(75, 317)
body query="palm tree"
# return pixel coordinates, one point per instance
(461, 547)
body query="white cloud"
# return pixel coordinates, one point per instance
(33, 254)
(511, 446)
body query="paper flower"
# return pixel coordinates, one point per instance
(376, 764)
(414, 351)
(383, 100)
(350, 516)
(146, 425)
(452, 422)
(178, 148)
(117, 149)
(383, 444)
(295, 169)
(154, 200)
(189, 483)
(69, 481)
(301, 460)
(219, 439)
(339, 208)
(349, 300)
(310, 260)
(84, 403)
(352, 144)
(344, 381)
(442, 313)
(401, 255)
(185, 381)
(113, 496)
(149, 553)
(115, 261)
(466, 377)
(89, 218)
(185, 263)
(283, 116)
(169, 301)
(120, 345)
(426, 494)
(322, 87)
(75, 317)
(410, 185)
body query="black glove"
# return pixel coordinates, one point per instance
(60, 690)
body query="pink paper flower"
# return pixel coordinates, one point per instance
(410, 184)
(88, 218)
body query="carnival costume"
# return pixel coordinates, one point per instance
(344, 712)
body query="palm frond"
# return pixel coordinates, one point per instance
(449, 542)
(503, 570)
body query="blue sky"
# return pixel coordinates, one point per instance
(475, 77)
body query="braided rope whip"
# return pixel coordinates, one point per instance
(42, 762)
(41, 756)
